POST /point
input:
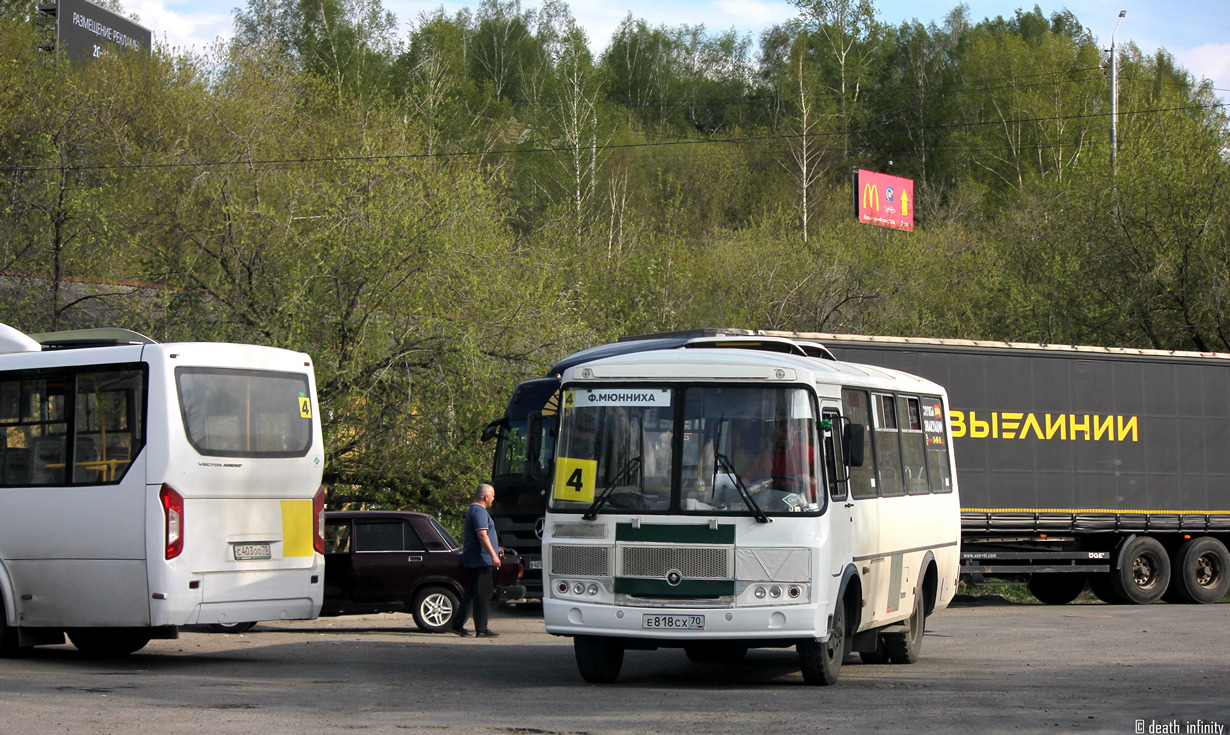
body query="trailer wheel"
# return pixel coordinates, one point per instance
(598, 659)
(1100, 586)
(1144, 572)
(821, 662)
(1057, 589)
(906, 648)
(1201, 572)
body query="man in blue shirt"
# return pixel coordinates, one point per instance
(481, 555)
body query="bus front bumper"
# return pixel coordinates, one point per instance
(679, 625)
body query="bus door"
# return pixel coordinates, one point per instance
(836, 477)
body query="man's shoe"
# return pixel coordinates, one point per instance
(487, 634)
(462, 632)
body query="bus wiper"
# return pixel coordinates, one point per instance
(728, 468)
(624, 474)
(757, 513)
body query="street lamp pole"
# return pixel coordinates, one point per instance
(1114, 94)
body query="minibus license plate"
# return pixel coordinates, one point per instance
(248, 552)
(673, 622)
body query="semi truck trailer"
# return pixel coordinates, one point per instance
(1080, 466)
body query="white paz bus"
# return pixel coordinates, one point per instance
(741, 493)
(147, 486)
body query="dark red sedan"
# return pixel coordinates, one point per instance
(393, 561)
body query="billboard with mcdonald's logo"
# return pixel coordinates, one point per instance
(880, 199)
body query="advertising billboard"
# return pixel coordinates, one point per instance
(85, 31)
(880, 199)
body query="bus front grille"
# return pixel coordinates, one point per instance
(693, 562)
(581, 561)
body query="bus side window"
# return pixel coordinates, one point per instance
(939, 472)
(856, 407)
(835, 475)
(888, 446)
(913, 446)
(107, 424)
(42, 429)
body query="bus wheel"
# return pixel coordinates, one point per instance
(821, 662)
(715, 653)
(1057, 589)
(905, 648)
(598, 659)
(878, 656)
(8, 637)
(1201, 572)
(434, 609)
(109, 642)
(1144, 572)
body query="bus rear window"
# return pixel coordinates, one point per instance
(245, 413)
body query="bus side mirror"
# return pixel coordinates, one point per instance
(853, 443)
(493, 429)
(533, 448)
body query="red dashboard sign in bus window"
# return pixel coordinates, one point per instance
(887, 201)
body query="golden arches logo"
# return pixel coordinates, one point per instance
(871, 197)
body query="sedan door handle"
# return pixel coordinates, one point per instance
(416, 558)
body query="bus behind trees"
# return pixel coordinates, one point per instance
(749, 493)
(147, 486)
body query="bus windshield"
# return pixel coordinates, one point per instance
(705, 449)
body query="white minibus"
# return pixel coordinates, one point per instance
(147, 486)
(727, 494)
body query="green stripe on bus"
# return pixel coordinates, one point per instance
(676, 534)
(686, 588)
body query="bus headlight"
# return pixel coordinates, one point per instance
(762, 593)
(592, 590)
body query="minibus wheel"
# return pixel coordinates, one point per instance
(599, 659)
(8, 636)
(905, 648)
(107, 642)
(821, 662)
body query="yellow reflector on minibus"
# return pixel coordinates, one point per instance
(297, 528)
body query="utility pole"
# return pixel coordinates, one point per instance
(1114, 94)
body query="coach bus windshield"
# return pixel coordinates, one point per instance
(702, 449)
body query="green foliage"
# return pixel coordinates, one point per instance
(438, 217)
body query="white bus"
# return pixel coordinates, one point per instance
(147, 486)
(741, 493)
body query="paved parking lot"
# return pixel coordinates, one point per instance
(985, 668)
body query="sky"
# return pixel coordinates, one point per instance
(1195, 32)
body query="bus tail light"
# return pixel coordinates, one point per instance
(318, 521)
(173, 514)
